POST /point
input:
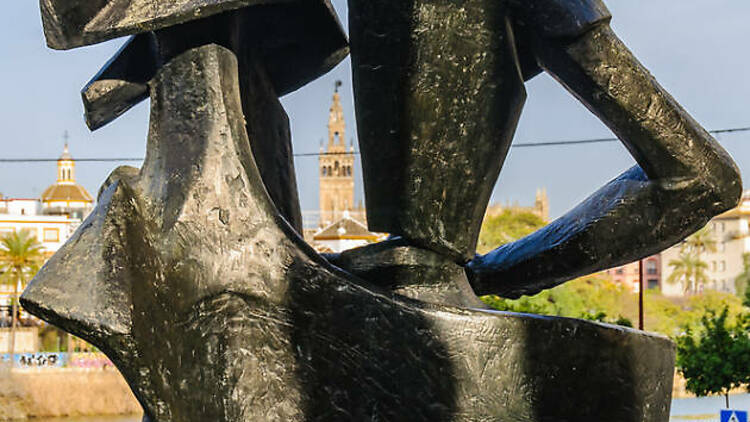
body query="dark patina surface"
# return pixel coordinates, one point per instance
(190, 273)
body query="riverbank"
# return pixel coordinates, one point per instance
(64, 392)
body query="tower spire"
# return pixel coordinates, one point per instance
(66, 149)
(336, 167)
(336, 123)
(66, 165)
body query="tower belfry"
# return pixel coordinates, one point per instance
(336, 165)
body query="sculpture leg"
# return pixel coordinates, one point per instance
(438, 94)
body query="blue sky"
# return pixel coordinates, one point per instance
(696, 49)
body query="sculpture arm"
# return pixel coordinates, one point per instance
(683, 177)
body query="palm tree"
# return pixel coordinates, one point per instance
(700, 242)
(20, 257)
(688, 269)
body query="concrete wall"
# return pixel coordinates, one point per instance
(64, 392)
(27, 340)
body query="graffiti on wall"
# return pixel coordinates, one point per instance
(58, 360)
(36, 360)
(89, 361)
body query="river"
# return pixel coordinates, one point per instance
(704, 409)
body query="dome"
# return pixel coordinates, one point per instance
(66, 193)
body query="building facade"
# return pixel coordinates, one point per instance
(346, 233)
(628, 275)
(336, 168)
(731, 234)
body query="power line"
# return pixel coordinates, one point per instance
(319, 154)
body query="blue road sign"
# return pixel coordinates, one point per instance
(733, 416)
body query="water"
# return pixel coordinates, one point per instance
(706, 409)
(703, 409)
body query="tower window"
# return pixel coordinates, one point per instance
(323, 171)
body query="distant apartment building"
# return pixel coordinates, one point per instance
(732, 237)
(628, 275)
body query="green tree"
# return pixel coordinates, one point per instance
(716, 359)
(700, 242)
(689, 270)
(592, 298)
(742, 281)
(20, 257)
(506, 227)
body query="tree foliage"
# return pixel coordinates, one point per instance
(593, 298)
(700, 242)
(506, 227)
(20, 257)
(715, 358)
(742, 282)
(690, 269)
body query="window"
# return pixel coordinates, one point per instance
(723, 266)
(721, 246)
(323, 171)
(653, 284)
(619, 271)
(713, 265)
(651, 267)
(723, 227)
(51, 235)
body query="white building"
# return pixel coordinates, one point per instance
(52, 219)
(344, 234)
(730, 231)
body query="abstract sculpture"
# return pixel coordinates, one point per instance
(190, 273)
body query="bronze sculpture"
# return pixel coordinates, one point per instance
(191, 276)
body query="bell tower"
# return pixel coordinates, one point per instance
(336, 166)
(66, 167)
